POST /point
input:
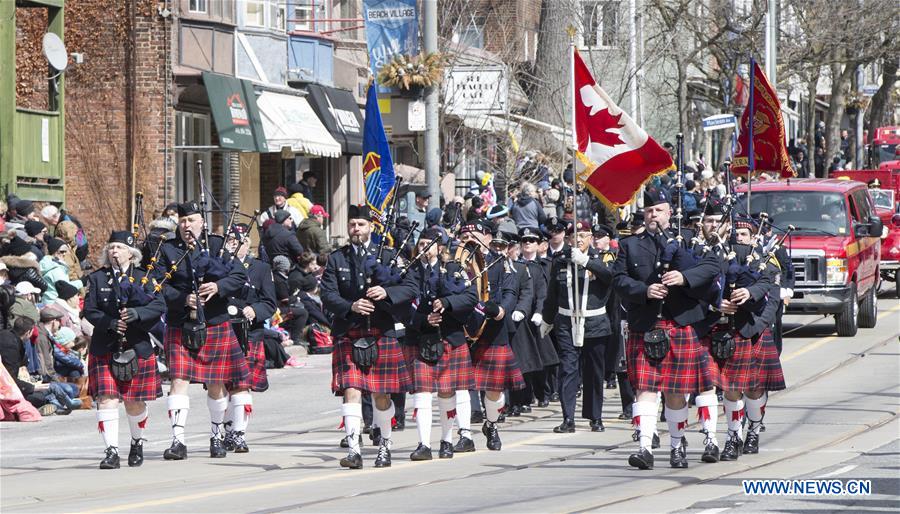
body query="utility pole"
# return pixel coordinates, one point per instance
(432, 118)
(771, 42)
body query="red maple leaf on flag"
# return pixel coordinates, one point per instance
(599, 128)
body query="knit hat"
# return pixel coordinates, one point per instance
(54, 244)
(17, 247)
(64, 336)
(33, 228)
(24, 207)
(65, 290)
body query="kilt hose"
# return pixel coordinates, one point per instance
(685, 369)
(220, 360)
(765, 371)
(454, 372)
(143, 387)
(496, 368)
(387, 375)
(732, 374)
(257, 380)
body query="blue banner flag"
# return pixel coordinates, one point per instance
(378, 168)
(392, 27)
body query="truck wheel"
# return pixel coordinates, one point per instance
(847, 320)
(868, 311)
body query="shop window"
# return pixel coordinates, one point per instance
(599, 23)
(199, 6)
(192, 144)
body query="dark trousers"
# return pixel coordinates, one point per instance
(399, 400)
(625, 391)
(523, 397)
(581, 365)
(297, 316)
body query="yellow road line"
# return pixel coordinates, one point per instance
(821, 342)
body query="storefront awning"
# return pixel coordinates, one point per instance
(234, 109)
(493, 124)
(290, 121)
(339, 112)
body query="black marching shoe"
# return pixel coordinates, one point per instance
(678, 458)
(525, 409)
(346, 444)
(684, 442)
(566, 427)
(611, 384)
(178, 451)
(446, 451)
(543, 404)
(111, 461)
(751, 445)
(710, 453)
(422, 452)
(477, 417)
(554, 397)
(655, 443)
(515, 411)
(217, 448)
(733, 447)
(493, 435)
(383, 460)
(642, 459)
(228, 441)
(239, 443)
(597, 426)
(400, 425)
(136, 453)
(375, 436)
(353, 460)
(464, 445)
(501, 418)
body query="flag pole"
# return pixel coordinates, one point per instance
(578, 317)
(751, 160)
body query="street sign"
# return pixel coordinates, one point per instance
(870, 89)
(719, 122)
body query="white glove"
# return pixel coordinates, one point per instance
(518, 316)
(786, 293)
(537, 319)
(545, 329)
(578, 257)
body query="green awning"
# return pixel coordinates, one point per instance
(233, 105)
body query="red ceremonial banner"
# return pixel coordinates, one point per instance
(769, 151)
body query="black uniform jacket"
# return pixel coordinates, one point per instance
(346, 279)
(102, 304)
(638, 265)
(503, 293)
(597, 293)
(203, 267)
(432, 282)
(259, 293)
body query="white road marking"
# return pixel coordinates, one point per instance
(839, 471)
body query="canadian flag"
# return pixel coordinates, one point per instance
(615, 157)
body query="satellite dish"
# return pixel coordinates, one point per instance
(55, 52)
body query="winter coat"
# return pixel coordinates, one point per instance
(312, 236)
(53, 270)
(301, 203)
(23, 268)
(67, 230)
(527, 212)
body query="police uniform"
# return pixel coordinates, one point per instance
(581, 349)
(108, 292)
(496, 369)
(351, 270)
(219, 360)
(551, 387)
(258, 293)
(437, 358)
(684, 365)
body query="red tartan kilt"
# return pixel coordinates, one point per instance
(733, 374)
(496, 368)
(220, 360)
(765, 370)
(144, 386)
(257, 381)
(685, 369)
(454, 372)
(388, 375)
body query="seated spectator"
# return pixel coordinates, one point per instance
(309, 296)
(43, 342)
(53, 269)
(35, 233)
(53, 217)
(12, 353)
(66, 360)
(21, 264)
(24, 306)
(69, 302)
(67, 231)
(291, 307)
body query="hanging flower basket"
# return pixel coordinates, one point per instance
(412, 74)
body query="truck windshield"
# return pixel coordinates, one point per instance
(807, 211)
(883, 198)
(884, 153)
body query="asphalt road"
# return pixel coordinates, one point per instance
(837, 419)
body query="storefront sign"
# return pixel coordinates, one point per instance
(416, 116)
(476, 89)
(233, 105)
(392, 27)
